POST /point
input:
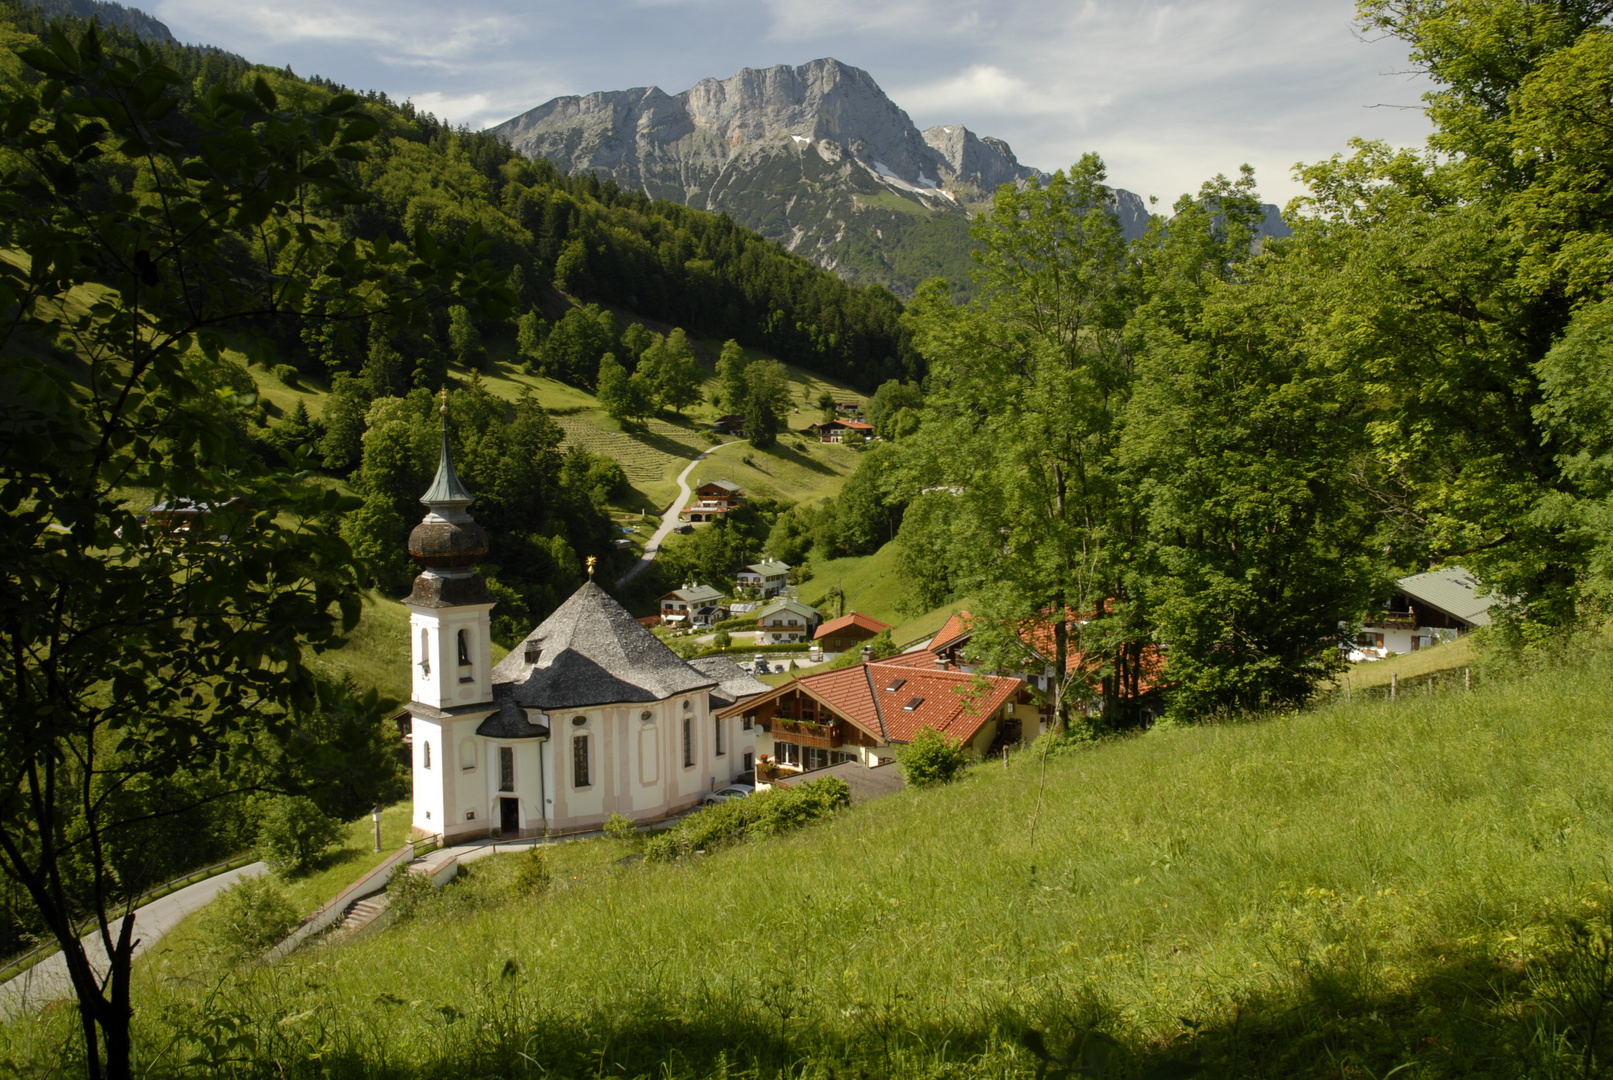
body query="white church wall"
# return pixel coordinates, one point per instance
(428, 775)
(443, 682)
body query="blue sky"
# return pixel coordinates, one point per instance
(1168, 93)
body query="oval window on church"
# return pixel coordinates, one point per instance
(579, 721)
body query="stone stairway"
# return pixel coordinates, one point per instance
(360, 913)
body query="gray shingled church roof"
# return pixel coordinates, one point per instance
(733, 684)
(592, 652)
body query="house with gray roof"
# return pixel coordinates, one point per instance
(693, 605)
(767, 578)
(785, 622)
(588, 716)
(1424, 610)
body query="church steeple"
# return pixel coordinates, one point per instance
(447, 542)
(449, 604)
(447, 496)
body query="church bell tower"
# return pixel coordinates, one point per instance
(450, 641)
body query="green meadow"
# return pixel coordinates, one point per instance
(1418, 888)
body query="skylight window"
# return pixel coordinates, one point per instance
(912, 704)
(896, 684)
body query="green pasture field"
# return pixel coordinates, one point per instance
(1417, 888)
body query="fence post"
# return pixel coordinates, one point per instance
(1467, 680)
(1346, 686)
(1394, 684)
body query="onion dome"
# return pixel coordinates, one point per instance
(447, 539)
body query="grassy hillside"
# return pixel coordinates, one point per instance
(797, 469)
(1416, 670)
(1355, 890)
(871, 583)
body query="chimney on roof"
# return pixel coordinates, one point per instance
(868, 653)
(940, 663)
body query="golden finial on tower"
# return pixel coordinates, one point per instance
(591, 561)
(444, 408)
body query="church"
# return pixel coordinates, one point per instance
(591, 715)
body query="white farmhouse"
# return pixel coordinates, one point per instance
(785, 622)
(589, 716)
(765, 578)
(1426, 609)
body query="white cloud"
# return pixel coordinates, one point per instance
(1169, 91)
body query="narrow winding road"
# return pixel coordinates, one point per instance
(669, 520)
(48, 980)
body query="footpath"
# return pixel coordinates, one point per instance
(48, 980)
(669, 520)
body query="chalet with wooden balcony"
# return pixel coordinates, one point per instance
(862, 714)
(767, 578)
(692, 606)
(1425, 609)
(786, 622)
(835, 431)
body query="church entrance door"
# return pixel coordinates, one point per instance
(509, 816)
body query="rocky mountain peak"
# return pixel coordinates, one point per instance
(985, 163)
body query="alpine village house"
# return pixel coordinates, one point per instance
(589, 716)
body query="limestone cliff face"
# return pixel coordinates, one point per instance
(815, 157)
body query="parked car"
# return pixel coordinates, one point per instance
(722, 795)
(759, 664)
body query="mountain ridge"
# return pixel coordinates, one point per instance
(816, 157)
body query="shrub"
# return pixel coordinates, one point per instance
(250, 916)
(532, 875)
(620, 828)
(294, 833)
(766, 813)
(407, 890)
(722, 640)
(931, 758)
(286, 374)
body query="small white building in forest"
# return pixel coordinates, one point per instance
(589, 716)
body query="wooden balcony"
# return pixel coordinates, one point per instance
(1391, 621)
(830, 736)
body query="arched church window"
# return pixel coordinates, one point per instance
(579, 761)
(425, 755)
(688, 743)
(425, 651)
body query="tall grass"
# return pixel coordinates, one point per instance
(1363, 888)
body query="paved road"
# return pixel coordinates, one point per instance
(669, 520)
(48, 981)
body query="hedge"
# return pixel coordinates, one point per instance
(766, 813)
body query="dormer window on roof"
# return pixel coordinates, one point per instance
(912, 704)
(896, 684)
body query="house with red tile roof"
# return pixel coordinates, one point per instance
(849, 631)
(863, 713)
(951, 645)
